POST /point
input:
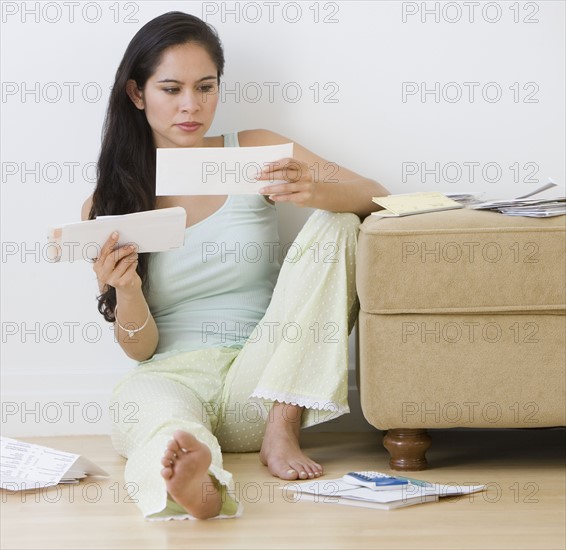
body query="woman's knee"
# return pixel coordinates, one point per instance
(343, 229)
(325, 232)
(325, 223)
(348, 222)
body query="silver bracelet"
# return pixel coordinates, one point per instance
(130, 332)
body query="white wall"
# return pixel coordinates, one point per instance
(351, 62)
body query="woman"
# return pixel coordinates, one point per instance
(198, 387)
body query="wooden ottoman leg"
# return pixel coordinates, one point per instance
(407, 449)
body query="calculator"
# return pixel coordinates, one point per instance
(375, 480)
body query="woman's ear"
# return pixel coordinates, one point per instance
(135, 94)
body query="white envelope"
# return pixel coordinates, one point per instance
(215, 170)
(152, 231)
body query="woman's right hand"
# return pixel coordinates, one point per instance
(117, 267)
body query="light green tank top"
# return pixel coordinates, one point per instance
(214, 290)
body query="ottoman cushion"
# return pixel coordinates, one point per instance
(461, 261)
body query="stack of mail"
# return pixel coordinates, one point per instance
(523, 206)
(535, 208)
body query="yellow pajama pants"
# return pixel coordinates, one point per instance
(297, 353)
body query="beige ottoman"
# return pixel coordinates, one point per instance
(461, 325)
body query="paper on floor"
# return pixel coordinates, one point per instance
(25, 466)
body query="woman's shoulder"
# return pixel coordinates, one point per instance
(85, 210)
(260, 136)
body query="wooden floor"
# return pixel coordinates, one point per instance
(523, 508)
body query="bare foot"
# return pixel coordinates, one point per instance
(280, 450)
(186, 464)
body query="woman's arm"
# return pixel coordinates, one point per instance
(117, 267)
(316, 182)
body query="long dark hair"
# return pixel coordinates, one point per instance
(126, 165)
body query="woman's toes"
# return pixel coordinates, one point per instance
(303, 470)
(316, 469)
(185, 441)
(170, 455)
(290, 475)
(167, 473)
(173, 446)
(167, 462)
(310, 470)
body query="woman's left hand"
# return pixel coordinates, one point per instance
(300, 186)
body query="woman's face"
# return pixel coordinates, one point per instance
(180, 98)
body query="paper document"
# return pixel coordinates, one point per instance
(467, 198)
(413, 203)
(215, 170)
(25, 466)
(525, 206)
(152, 231)
(337, 491)
(549, 185)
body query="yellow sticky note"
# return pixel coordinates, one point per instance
(414, 203)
